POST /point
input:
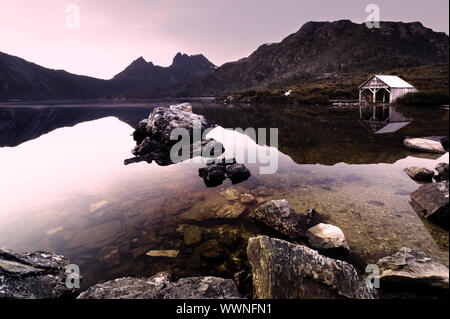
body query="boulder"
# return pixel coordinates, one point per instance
(328, 238)
(409, 272)
(153, 141)
(35, 275)
(419, 173)
(161, 286)
(442, 169)
(279, 215)
(425, 144)
(282, 270)
(431, 201)
(162, 121)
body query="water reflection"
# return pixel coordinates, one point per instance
(382, 119)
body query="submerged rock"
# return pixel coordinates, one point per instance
(161, 286)
(192, 235)
(168, 253)
(442, 169)
(231, 211)
(419, 173)
(412, 273)
(432, 144)
(431, 201)
(36, 275)
(328, 238)
(282, 270)
(279, 215)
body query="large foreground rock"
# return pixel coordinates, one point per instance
(279, 215)
(419, 173)
(282, 270)
(431, 201)
(432, 144)
(36, 275)
(412, 273)
(161, 286)
(328, 239)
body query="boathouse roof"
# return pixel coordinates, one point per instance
(392, 81)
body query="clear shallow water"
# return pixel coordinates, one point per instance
(64, 188)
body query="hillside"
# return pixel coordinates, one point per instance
(25, 80)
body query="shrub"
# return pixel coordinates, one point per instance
(424, 99)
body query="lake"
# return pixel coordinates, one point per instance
(64, 186)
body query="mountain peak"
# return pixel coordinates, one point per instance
(198, 62)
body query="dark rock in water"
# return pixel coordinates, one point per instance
(161, 286)
(442, 169)
(279, 215)
(419, 173)
(431, 201)
(430, 144)
(237, 173)
(153, 141)
(141, 132)
(409, 273)
(328, 239)
(282, 270)
(215, 172)
(36, 275)
(213, 175)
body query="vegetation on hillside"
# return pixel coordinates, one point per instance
(431, 81)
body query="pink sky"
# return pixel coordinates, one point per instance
(112, 33)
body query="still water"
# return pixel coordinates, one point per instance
(64, 187)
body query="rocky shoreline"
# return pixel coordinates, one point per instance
(310, 263)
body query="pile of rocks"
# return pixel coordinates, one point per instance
(425, 174)
(282, 270)
(216, 172)
(280, 216)
(153, 135)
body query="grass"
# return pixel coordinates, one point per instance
(431, 81)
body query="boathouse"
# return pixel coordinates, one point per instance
(384, 89)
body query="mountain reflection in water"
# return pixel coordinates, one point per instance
(66, 189)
